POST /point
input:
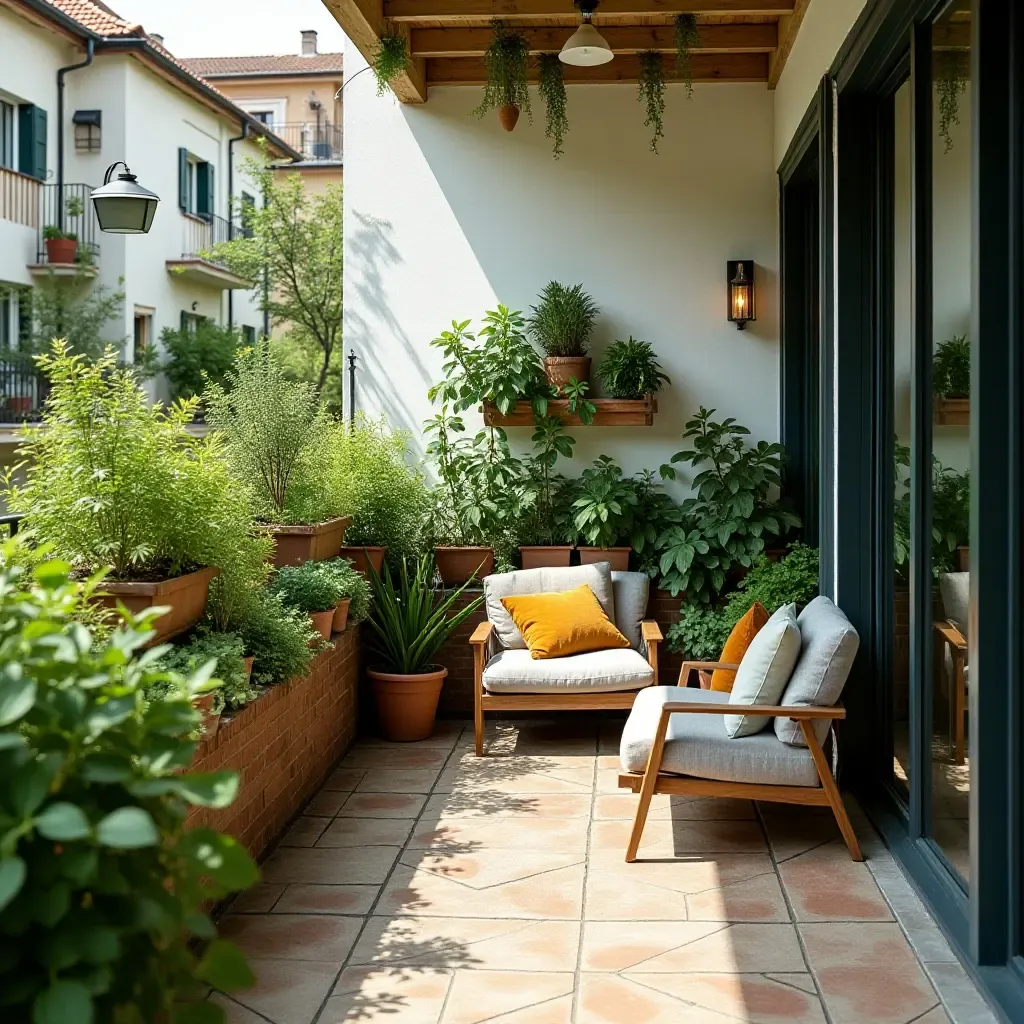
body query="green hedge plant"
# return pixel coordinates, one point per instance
(195, 357)
(102, 888)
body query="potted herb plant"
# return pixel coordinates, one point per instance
(629, 370)
(561, 323)
(409, 623)
(61, 246)
(307, 588)
(951, 381)
(547, 516)
(273, 430)
(603, 513)
(506, 61)
(278, 639)
(354, 602)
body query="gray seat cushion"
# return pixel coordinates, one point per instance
(828, 645)
(549, 580)
(955, 588)
(514, 671)
(631, 590)
(698, 745)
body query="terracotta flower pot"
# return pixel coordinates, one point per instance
(407, 704)
(61, 250)
(19, 404)
(508, 116)
(294, 545)
(617, 558)
(537, 556)
(185, 595)
(559, 370)
(322, 622)
(363, 557)
(247, 661)
(211, 719)
(341, 615)
(456, 565)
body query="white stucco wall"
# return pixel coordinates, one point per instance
(447, 215)
(822, 32)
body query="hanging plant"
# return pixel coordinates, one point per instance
(552, 92)
(506, 62)
(392, 60)
(651, 93)
(687, 37)
(952, 68)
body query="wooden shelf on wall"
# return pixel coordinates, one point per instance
(952, 412)
(611, 412)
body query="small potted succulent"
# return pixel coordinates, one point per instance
(561, 323)
(307, 588)
(629, 370)
(354, 602)
(603, 513)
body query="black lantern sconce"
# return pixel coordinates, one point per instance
(740, 275)
(124, 207)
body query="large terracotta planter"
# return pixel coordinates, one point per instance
(618, 558)
(294, 545)
(407, 705)
(322, 622)
(61, 250)
(185, 596)
(559, 370)
(539, 556)
(363, 557)
(456, 565)
(248, 661)
(341, 615)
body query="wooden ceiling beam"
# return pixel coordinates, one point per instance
(789, 26)
(472, 42)
(724, 67)
(363, 22)
(466, 10)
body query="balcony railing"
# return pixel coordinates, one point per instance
(314, 141)
(19, 198)
(79, 218)
(205, 231)
(23, 390)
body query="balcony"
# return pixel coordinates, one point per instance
(23, 390)
(19, 198)
(201, 234)
(318, 143)
(69, 208)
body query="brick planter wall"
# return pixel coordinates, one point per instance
(284, 744)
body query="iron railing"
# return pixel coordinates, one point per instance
(69, 207)
(205, 231)
(23, 390)
(314, 141)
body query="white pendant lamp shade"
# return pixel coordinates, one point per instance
(586, 47)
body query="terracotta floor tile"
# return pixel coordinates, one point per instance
(566, 780)
(656, 947)
(382, 805)
(825, 885)
(795, 830)
(327, 899)
(367, 866)
(292, 936)
(344, 780)
(257, 900)
(487, 804)
(447, 732)
(306, 830)
(488, 869)
(395, 755)
(613, 999)
(287, 991)
(388, 996)
(326, 803)
(469, 943)
(680, 837)
(509, 996)
(344, 832)
(468, 835)
(935, 1016)
(398, 780)
(622, 806)
(867, 972)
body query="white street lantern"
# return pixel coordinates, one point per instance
(124, 207)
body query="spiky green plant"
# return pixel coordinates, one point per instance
(552, 92)
(687, 37)
(506, 62)
(630, 370)
(391, 60)
(563, 319)
(651, 92)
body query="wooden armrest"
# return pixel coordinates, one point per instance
(951, 635)
(650, 631)
(482, 633)
(689, 667)
(765, 710)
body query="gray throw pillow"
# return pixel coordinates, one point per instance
(631, 590)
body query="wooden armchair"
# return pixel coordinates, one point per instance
(948, 637)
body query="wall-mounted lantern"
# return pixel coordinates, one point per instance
(124, 207)
(740, 275)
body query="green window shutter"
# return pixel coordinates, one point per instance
(183, 178)
(32, 141)
(206, 196)
(184, 322)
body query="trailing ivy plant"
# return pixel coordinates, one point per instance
(687, 37)
(506, 62)
(392, 59)
(651, 93)
(952, 68)
(552, 92)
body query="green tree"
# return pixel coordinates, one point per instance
(195, 357)
(60, 309)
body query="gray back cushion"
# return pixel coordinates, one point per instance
(549, 580)
(630, 590)
(955, 588)
(828, 645)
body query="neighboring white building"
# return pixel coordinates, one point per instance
(128, 99)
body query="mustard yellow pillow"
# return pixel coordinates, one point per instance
(736, 646)
(556, 625)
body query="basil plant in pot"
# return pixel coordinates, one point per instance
(409, 623)
(547, 533)
(604, 512)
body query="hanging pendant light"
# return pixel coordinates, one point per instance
(586, 47)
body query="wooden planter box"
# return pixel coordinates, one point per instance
(185, 596)
(611, 412)
(952, 412)
(294, 545)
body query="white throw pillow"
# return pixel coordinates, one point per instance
(765, 670)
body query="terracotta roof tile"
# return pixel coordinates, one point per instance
(216, 67)
(97, 17)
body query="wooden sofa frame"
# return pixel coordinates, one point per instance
(947, 635)
(651, 781)
(484, 702)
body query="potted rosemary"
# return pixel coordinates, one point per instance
(561, 323)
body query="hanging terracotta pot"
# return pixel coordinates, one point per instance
(508, 115)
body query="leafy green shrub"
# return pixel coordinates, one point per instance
(307, 587)
(277, 637)
(563, 319)
(546, 513)
(198, 356)
(603, 512)
(951, 368)
(350, 584)
(115, 481)
(629, 369)
(82, 318)
(228, 651)
(101, 887)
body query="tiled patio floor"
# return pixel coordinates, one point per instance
(425, 886)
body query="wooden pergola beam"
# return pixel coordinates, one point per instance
(364, 23)
(470, 10)
(789, 26)
(472, 42)
(725, 67)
